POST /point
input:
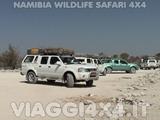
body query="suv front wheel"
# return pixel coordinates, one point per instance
(109, 70)
(70, 80)
(104, 72)
(89, 83)
(31, 77)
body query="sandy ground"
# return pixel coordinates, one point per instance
(142, 88)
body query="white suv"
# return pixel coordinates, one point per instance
(53, 68)
(95, 62)
(100, 66)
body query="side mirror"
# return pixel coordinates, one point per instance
(58, 63)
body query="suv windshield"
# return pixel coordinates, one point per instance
(69, 60)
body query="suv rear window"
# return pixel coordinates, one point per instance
(80, 60)
(29, 59)
(44, 60)
(116, 62)
(123, 62)
(95, 61)
(152, 61)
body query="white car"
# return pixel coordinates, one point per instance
(100, 66)
(96, 62)
(53, 68)
(84, 60)
(149, 64)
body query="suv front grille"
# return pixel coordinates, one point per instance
(91, 70)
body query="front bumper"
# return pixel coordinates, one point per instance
(85, 76)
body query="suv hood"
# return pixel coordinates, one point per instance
(82, 66)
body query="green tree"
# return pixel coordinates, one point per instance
(101, 55)
(157, 56)
(124, 56)
(115, 56)
(10, 57)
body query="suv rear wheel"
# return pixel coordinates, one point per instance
(70, 80)
(31, 77)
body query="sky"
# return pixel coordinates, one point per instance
(112, 31)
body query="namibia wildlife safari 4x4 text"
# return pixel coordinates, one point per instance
(57, 67)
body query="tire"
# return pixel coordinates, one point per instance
(127, 71)
(50, 81)
(70, 80)
(133, 70)
(31, 77)
(89, 83)
(104, 72)
(109, 70)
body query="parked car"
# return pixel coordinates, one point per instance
(120, 65)
(101, 66)
(149, 64)
(95, 62)
(54, 67)
(84, 60)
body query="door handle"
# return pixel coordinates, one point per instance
(49, 66)
(40, 66)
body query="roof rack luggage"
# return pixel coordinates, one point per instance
(50, 51)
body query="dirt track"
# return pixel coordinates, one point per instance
(142, 86)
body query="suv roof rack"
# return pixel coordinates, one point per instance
(50, 51)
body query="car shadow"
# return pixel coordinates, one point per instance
(60, 84)
(118, 73)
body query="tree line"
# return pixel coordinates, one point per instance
(11, 58)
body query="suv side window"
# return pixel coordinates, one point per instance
(35, 60)
(123, 62)
(54, 60)
(95, 61)
(88, 60)
(44, 60)
(99, 62)
(116, 62)
(29, 59)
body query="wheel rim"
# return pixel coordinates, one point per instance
(109, 70)
(133, 70)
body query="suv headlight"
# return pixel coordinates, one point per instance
(81, 70)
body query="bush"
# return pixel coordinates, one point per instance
(9, 59)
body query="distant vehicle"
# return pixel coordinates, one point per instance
(149, 64)
(84, 60)
(95, 62)
(119, 65)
